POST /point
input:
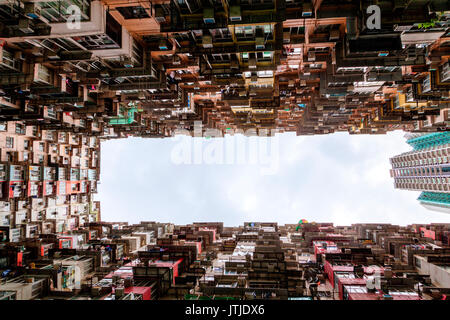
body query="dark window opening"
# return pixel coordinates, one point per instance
(137, 12)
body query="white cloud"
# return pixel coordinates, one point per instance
(336, 178)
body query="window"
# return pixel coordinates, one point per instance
(9, 142)
(137, 12)
(20, 129)
(112, 39)
(265, 73)
(62, 137)
(264, 56)
(245, 32)
(221, 34)
(50, 135)
(225, 57)
(3, 125)
(418, 262)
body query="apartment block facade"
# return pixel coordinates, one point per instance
(76, 72)
(149, 68)
(426, 168)
(208, 261)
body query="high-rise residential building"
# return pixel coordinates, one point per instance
(150, 68)
(426, 168)
(110, 69)
(208, 261)
(47, 180)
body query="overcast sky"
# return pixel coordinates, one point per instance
(337, 178)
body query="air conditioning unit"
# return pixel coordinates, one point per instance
(67, 68)
(286, 37)
(334, 35)
(398, 28)
(51, 54)
(25, 25)
(163, 45)
(307, 10)
(41, 74)
(207, 41)
(127, 63)
(311, 56)
(234, 64)
(259, 43)
(159, 15)
(176, 60)
(259, 38)
(252, 63)
(208, 15)
(411, 54)
(235, 13)
(254, 77)
(19, 55)
(32, 10)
